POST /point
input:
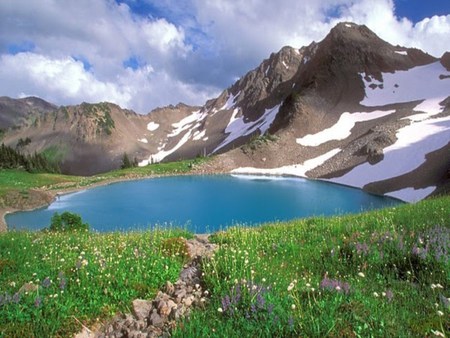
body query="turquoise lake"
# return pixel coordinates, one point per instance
(202, 203)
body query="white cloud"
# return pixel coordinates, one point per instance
(60, 80)
(197, 48)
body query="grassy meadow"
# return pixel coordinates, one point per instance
(384, 273)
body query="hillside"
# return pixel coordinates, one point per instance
(352, 109)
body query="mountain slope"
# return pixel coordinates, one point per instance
(14, 112)
(352, 109)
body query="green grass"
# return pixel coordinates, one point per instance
(20, 180)
(78, 277)
(384, 273)
(55, 154)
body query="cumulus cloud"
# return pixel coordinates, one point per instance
(95, 50)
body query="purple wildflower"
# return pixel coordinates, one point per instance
(16, 298)
(38, 301)
(362, 248)
(291, 323)
(63, 283)
(260, 301)
(335, 285)
(389, 295)
(46, 282)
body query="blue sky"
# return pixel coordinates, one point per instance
(142, 54)
(417, 10)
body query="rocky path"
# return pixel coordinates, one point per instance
(157, 317)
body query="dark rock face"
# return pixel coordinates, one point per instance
(445, 60)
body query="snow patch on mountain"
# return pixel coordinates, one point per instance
(411, 194)
(187, 122)
(341, 129)
(198, 135)
(152, 126)
(158, 157)
(418, 83)
(413, 143)
(230, 102)
(143, 140)
(237, 127)
(299, 170)
(401, 52)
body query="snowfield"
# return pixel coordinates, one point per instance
(237, 127)
(342, 129)
(418, 83)
(299, 170)
(407, 154)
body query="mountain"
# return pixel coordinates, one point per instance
(352, 109)
(92, 138)
(15, 111)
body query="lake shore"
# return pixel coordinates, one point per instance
(43, 197)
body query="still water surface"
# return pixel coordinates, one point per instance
(202, 203)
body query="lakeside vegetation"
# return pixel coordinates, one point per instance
(380, 273)
(20, 181)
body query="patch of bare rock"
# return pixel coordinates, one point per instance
(159, 316)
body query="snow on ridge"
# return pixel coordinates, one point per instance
(401, 52)
(199, 135)
(143, 140)
(152, 126)
(285, 65)
(237, 127)
(298, 170)
(408, 153)
(230, 102)
(341, 129)
(158, 157)
(418, 83)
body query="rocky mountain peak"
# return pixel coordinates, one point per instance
(445, 60)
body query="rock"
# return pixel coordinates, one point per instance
(188, 301)
(170, 289)
(141, 308)
(156, 320)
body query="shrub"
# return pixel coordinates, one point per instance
(67, 221)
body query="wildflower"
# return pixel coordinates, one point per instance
(13, 284)
(375, 294)
(38, 301)
(220, 310)
(437, 333)
(293, 306)
(361, 274)
(46, 282)
(389, 295)
(16, 298)
(440, 313)
(291, 286)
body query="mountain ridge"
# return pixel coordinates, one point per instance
(338, 104)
